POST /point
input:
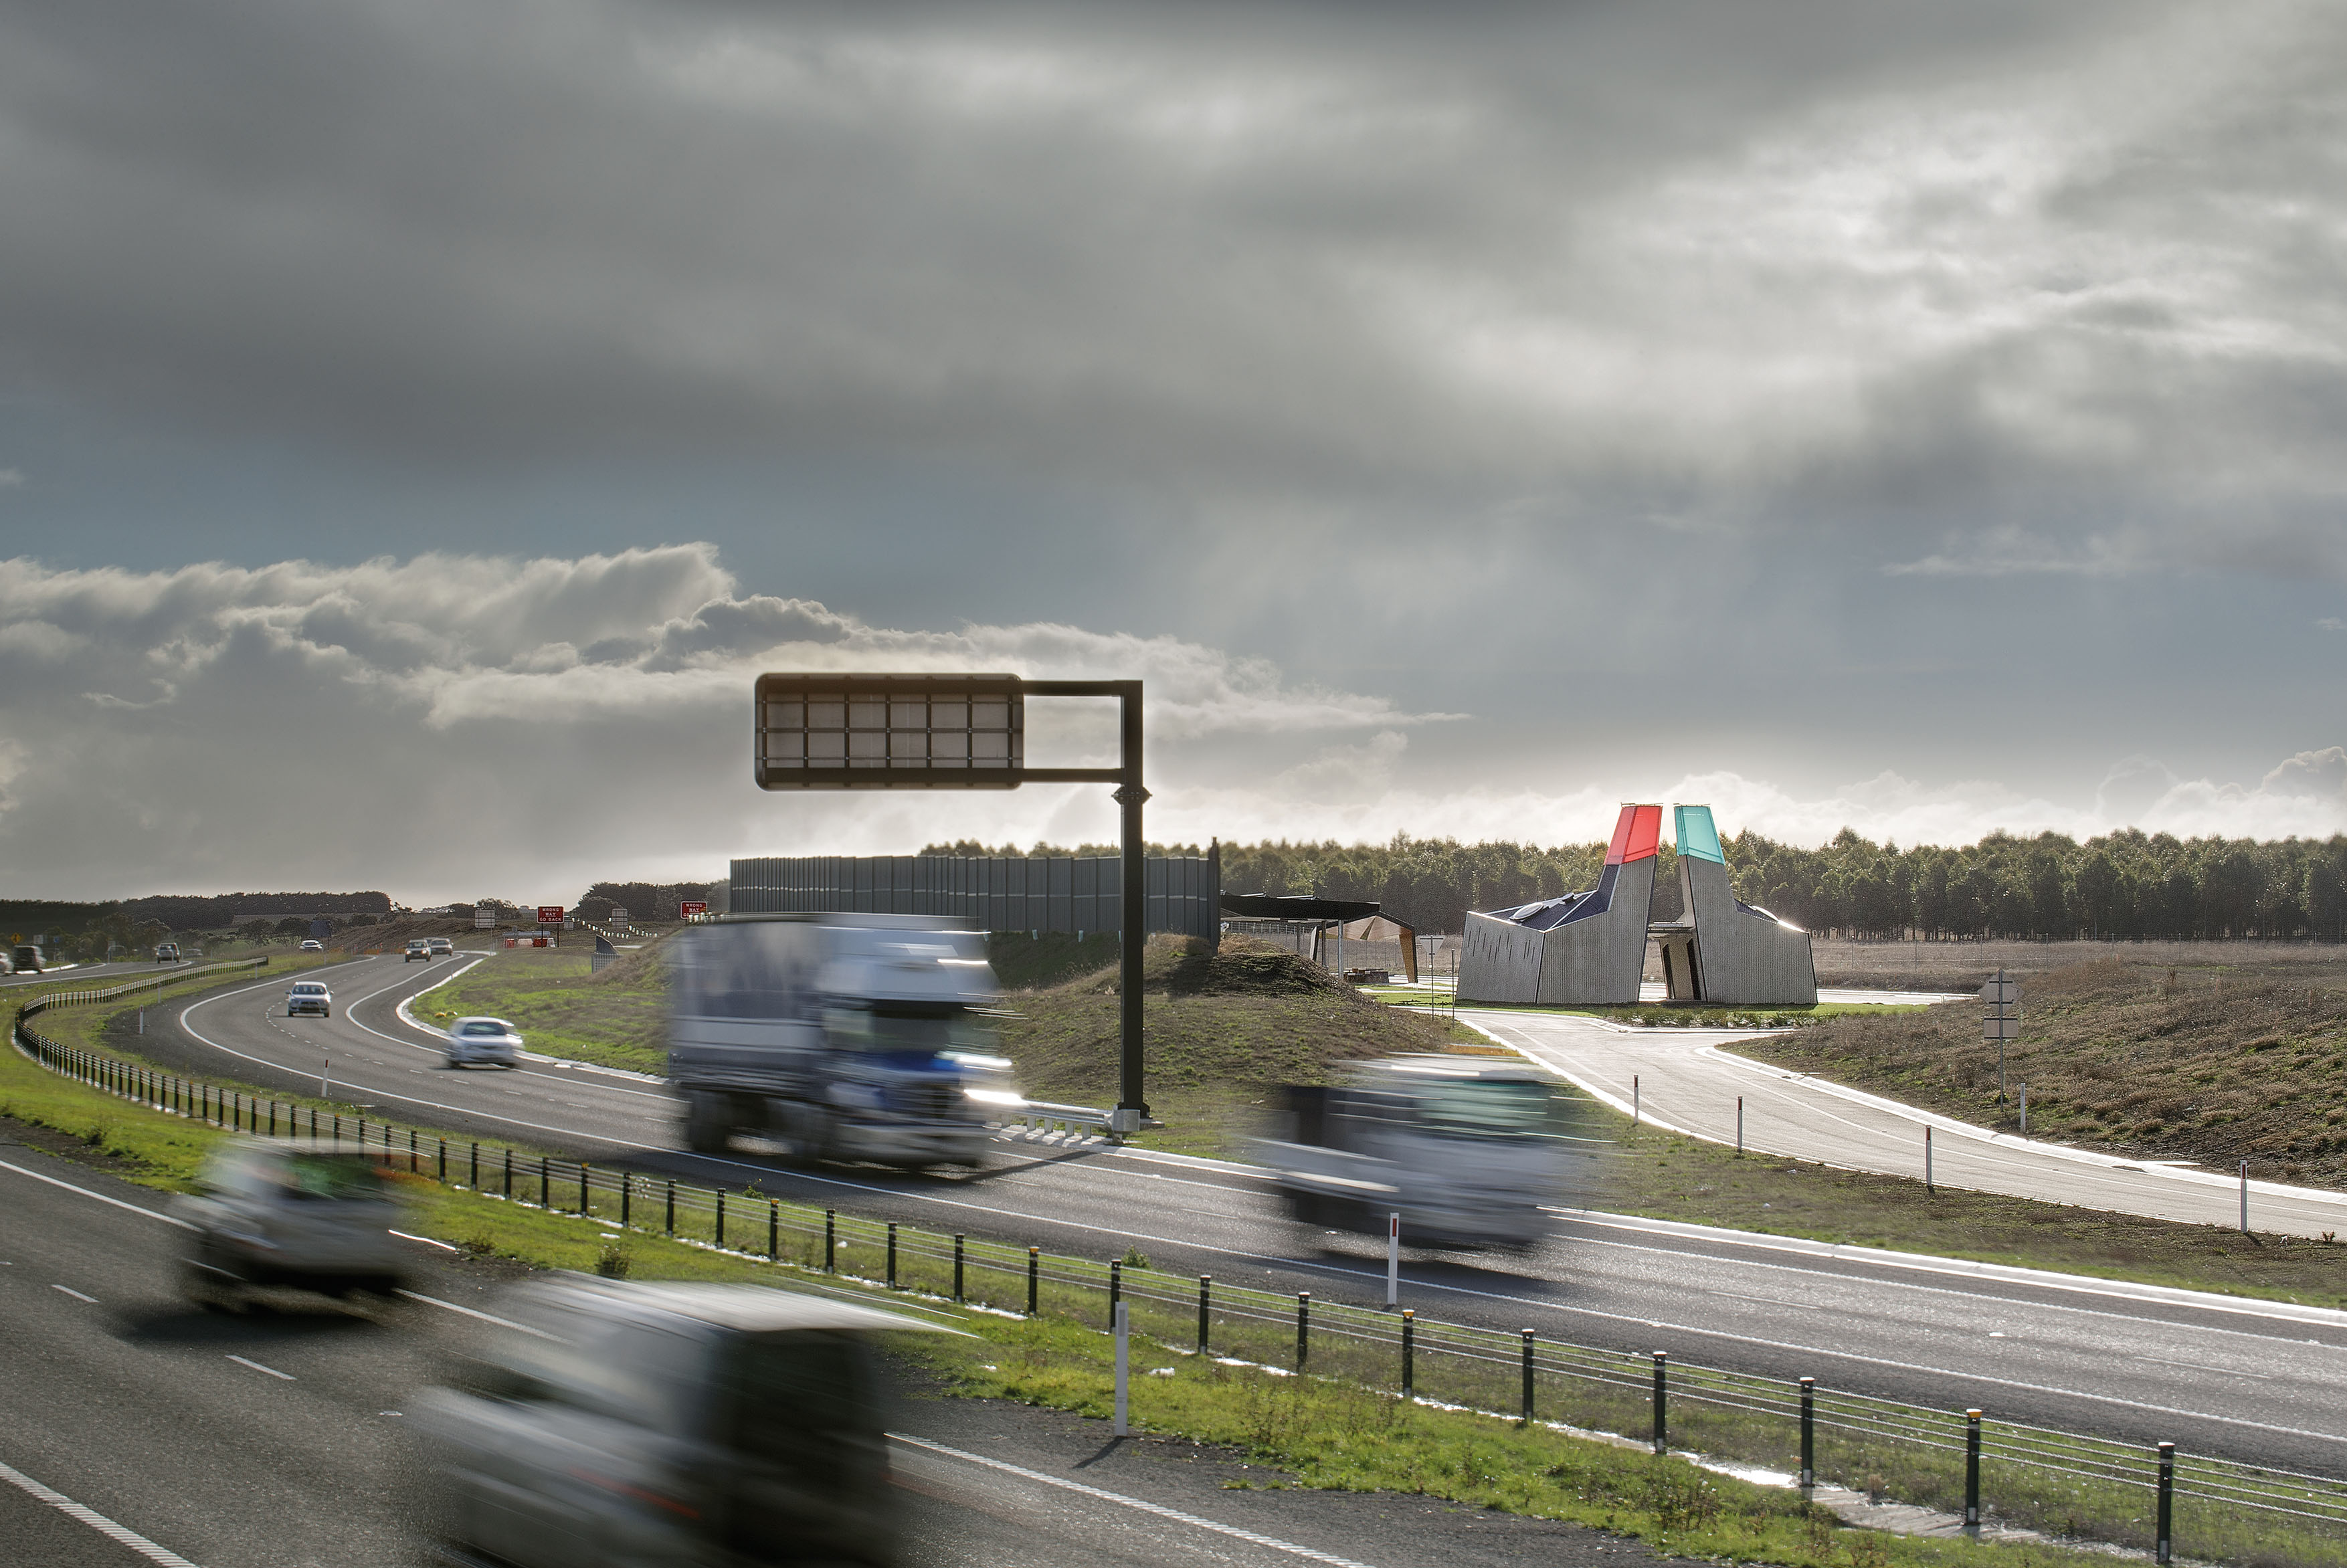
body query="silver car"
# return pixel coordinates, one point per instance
(489, 1040)
(310, 995)
(665, 1424)
(266, 1215)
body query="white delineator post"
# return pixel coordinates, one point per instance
(1927, 1159)
(2025, 1108)
(1124, 1366)
(1633, 1099)
(1393, 1260)
(2245, 1197)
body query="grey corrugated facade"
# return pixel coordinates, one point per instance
(992, 894)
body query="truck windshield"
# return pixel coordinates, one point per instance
(1463, 1108)
(909, 1029)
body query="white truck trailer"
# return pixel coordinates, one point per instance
(838, 1037)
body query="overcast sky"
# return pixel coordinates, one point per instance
(419, 422)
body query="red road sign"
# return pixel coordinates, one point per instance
(687, 908)
(550, 914)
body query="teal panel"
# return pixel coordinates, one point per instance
(1696, 835)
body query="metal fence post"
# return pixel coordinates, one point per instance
(1034, 1277)
(892, 1255)
(1206, 1289)
(545, 1182)
(272, 1117)
(1808, 1434)
(474, 1171)
(362, 1137)
(958, 1245)
(1971, 1472)
(774, 1229)
(338, 1131)
(444, 1161)
(670, 1221)
(1739, 1125)
(2164, 1536)
(627, 1191)
(1409, 1352)
(1528, 1377)
(1662, 1425)
(509, 1172)
(1115, 1288)
(831, 1242)
(1303, 1330)
(414, 1164)
(583, 1210)
(720, 1219)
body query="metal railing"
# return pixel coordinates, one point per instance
(161, 978)
(2067, 1484)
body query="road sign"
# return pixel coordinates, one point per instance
(687, 908)
(2001, 993)
(890, 732)
(484, 918)
(550, 914)
(2000, 1028)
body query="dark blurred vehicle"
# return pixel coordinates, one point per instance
(616, 1424)
(24, 958)
(263, 1216)
(1466, 1149)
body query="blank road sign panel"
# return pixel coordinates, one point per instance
(2001, 993)
(2000, 1028)
(889, 731)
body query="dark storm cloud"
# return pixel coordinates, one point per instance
(1390, 262)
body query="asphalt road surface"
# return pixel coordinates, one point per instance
(1690, 1079)
(135, 1430)
(2258, 1381)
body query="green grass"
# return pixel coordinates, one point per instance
(615, 1018)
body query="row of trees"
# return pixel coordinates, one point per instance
(2123, 884)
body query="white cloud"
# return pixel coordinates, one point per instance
(11, 478)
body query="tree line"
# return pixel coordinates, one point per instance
(2123, 885)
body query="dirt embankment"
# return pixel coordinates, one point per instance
(2138, 1058)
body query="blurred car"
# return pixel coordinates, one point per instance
(310, 995)
(311, 945)
(442, 948)
(418, 949)
(665, 1424)
(24, 958)
(263, 1216)
(167, 952)
(489, 1040)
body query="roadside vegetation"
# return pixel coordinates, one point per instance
(614, 1019)
(2154, 1061)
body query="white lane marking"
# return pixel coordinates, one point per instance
(77, 1294)
(258, 1368)
(101, 1197)
(2203, 1367)
(94, 1520)
(1254, 1538)
(470, 1312)
(428, 1241)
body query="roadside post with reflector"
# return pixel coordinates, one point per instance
(2001, 1019)
(814, 730)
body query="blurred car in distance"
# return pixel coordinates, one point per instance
(418, 949)
(167, 952)
(311, 945)
(442, 948)
(310, 995)
(266, 1215)
(24, 958)
(665, 1424)
(489, 1040)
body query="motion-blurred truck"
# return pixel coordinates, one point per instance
(1465, 1150)
(836, 1037)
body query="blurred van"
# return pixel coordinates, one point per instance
(266, 1215)
(615, 1423)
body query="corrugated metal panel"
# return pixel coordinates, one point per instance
(1057, 894)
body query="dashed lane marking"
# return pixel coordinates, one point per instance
(258, 1368)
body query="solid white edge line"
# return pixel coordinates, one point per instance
(1252, 1537)
(101, 1197)
(94, 1520)
(258, 1368)
(428, 1241)
(474, 1312)
(77, 1294)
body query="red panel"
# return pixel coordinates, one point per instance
(1636, 834)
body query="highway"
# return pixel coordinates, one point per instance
(1690, 1079)
(2257, 1381)
(135, 1430)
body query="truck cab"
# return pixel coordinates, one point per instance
(1465, 1150)
(838, 1037)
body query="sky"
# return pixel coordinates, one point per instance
(420, 422)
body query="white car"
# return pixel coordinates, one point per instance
(489, 1040)
(442, 948)
(311, 945)
(310, 995)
